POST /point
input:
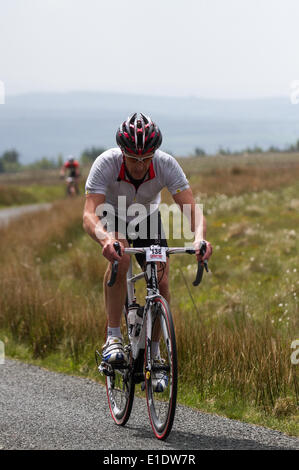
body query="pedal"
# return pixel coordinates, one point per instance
(105, 369)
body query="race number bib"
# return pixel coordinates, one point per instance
(156, 253)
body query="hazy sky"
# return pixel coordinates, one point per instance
(207, 48)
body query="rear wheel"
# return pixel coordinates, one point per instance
(120, 386)
(161, 379)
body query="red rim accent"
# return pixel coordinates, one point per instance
(158, 436)
(119, 422)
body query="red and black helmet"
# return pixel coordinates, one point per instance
(138, 135)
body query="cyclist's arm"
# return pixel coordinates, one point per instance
(198, 221)
(91, 222)
(93, 226)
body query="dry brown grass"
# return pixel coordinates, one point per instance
(34, 308)
(238, 180)
(39, 314)
(241, 176)
(239, 354)
(232, 176)
(39, 177)
(22, 240)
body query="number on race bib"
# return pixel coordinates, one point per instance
(156, 253)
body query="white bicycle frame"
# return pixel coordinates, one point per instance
(150, 274)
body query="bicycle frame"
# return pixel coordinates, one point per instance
(150, 274)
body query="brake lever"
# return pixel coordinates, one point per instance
(201, 267)
(114, 270)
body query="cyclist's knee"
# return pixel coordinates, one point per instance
(123, 266)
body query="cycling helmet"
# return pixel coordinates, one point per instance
(138, 135)
(70, 159)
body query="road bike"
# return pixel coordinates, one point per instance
(72, 186)
(153, 321)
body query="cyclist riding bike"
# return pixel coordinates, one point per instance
(72, 167)
(137, 171)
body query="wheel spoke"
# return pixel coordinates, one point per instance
(161, 385)
(120, 386)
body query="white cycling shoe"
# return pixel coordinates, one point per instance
(113, 351)
(159, 378)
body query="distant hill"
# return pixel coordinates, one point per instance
(46, 124)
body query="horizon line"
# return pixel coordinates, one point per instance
(150, 95)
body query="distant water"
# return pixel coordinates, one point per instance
(49, 124)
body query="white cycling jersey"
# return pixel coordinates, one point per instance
(108, 176)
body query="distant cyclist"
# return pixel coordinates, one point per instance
(72, 168)
(138, 171)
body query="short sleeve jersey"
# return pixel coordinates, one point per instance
(108, 176)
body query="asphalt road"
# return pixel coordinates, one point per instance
(40, 409)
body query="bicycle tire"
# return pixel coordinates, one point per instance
(162, 406)
(120, 386)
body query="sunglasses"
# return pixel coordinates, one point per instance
(139, 159)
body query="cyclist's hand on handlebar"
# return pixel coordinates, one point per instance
(109, 250)
(208, 251)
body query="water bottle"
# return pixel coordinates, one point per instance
(138, 321)
(132, 315)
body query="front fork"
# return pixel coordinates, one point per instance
(151, 313)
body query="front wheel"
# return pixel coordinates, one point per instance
(120, 386)
(161, 371)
